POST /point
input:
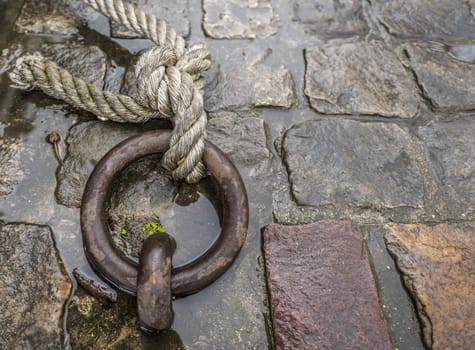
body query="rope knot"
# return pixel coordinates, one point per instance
(168, 80)
(158, 66)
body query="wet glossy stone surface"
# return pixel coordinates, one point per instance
(331, 17)
(319, 63)
(322, 292)
(396, 303)
(359, 78)
(175, 12)
(236, 19)
(142, 194)
(428, 19)
(87, 143)
(34, 288)
(87, 62)
(436, 264)
(94, 326)
(451, 150)
(448, 83)
(10, 171)
(54, 17)
(349, 163)
(145, 200)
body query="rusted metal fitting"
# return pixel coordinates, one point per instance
(154, 296)
(122, 272)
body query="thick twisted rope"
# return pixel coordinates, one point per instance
(168, 80)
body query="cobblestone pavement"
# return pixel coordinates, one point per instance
(357, 112)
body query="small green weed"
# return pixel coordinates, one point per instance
(153, 227)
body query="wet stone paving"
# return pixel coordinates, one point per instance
(352, 124)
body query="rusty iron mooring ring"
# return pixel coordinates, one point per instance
(113, 266)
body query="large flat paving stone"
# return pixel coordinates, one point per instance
(450, 149)
(249, 133)
(238, 19)
(449, 83)
(86, 143)
(331, 18)
(448, 20)
(359, 78)
(54, 17)
(437, 264)
(352, 164)
(322, 291)
(174, 12)
(34, 288)
(244, 80)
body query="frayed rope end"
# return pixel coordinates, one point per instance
(21, 75)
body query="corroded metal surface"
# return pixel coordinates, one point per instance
(103, 293)
(154, 297)
(120, 271)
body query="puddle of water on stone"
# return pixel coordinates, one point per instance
(195, 226)
(33, 197)
(192, 218)
(229, 314)
(28, 118)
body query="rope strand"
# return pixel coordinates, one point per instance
(169, 85)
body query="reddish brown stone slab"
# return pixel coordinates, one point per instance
(322, 291)
(438, 266)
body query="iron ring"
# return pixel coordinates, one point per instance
(113, 266)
